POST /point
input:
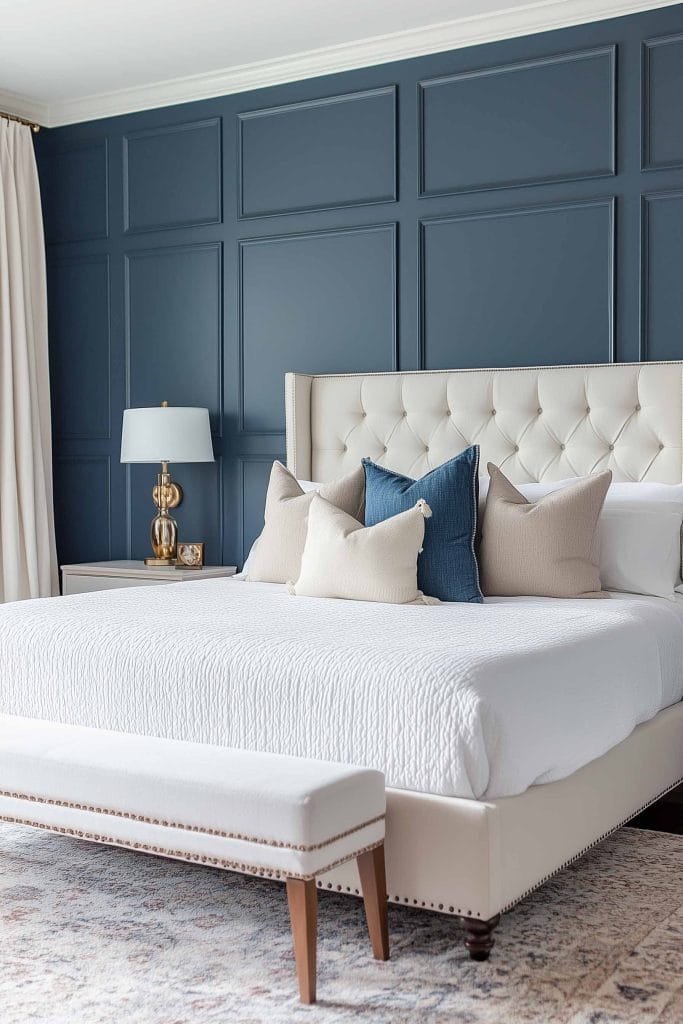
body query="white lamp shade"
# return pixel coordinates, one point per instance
(166, 434)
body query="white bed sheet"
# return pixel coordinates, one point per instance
(454, 699)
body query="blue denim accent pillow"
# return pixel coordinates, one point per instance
(447, 567)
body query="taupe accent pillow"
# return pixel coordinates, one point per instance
(546, 548)
(276, 556)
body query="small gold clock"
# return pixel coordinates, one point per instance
(190, 555)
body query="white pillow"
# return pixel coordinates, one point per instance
(640, 534)
(306, 486)
(344, 559)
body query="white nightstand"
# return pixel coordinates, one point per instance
(89, 576)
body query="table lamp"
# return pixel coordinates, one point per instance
(166, 434)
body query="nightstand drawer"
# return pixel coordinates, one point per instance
(75, 584)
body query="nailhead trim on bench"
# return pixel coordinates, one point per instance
(189, 828)
(190, 858)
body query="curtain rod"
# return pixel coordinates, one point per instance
(22, 120)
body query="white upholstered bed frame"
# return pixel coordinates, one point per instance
(475, 859)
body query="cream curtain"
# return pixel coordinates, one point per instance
(28, 564)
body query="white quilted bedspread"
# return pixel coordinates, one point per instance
(455, 699)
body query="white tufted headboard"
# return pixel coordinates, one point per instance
(538, 423)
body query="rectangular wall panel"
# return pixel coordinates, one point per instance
(662, 100)
(172, 176)
(662, 266)
(78, 310)
(519, 288)
(536, 121)
(75, 192)
(174, 327)
(326, 153)
(82, 508)
(313, 303)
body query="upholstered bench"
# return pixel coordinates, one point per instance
(261, 814)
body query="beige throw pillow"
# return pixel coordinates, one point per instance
(343, 558)
(276, 556)
(546, 548)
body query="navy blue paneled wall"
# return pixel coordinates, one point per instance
(508, 204)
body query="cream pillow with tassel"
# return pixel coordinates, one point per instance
(342, 558)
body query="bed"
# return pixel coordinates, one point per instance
(477, 859)
(514, 735)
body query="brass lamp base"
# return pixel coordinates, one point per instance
(163, 528)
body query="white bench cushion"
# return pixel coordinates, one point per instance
(248, 811)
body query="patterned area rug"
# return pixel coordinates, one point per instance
(93, 935)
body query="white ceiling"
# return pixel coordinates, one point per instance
(70, 60)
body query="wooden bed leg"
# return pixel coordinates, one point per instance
(373, 883)
(479, 939)
(302, 897)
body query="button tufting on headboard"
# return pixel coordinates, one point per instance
(539, 423)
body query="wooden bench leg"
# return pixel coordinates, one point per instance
(302, 897)
(374, 886)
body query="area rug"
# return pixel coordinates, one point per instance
(95, 935)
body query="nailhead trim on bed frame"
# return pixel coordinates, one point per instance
(590, 846)
(190, 858)
(460, 912)
(189, 828)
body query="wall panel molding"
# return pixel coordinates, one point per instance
(178, 370)
(89, 538)
(302, 142)
(480, 127)
(495, 300)
(73, 354)
(651, 273)
(76, 192)
(386, 358)
(178, 170)
(671, 128)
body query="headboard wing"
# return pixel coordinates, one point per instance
(537, 423)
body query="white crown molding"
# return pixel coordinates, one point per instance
(24, 106)
(531, 18)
